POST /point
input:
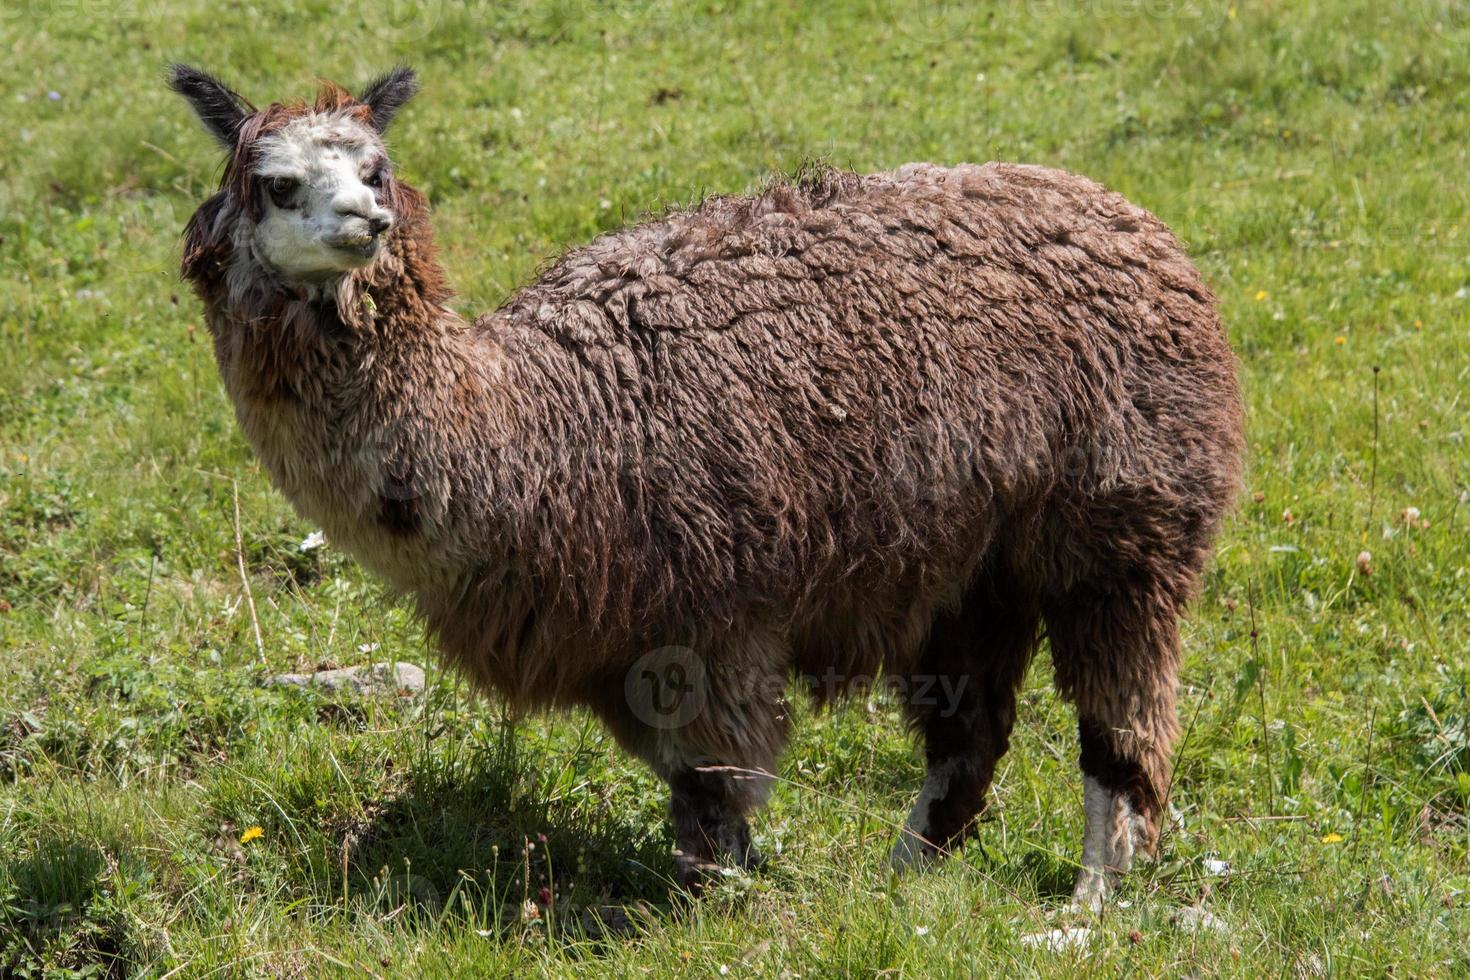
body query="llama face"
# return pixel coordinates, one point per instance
(321, 180)
(309, 185)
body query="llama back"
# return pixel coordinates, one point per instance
(837, 395)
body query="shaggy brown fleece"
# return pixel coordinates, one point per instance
(847, 425)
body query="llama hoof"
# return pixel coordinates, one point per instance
(695, 873)
(912, 853)
(1092, 891)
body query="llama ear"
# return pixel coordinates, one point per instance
(220, 109)
(386, 95)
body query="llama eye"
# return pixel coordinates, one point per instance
(282, 190)
(375, 179)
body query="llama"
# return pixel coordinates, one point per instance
(850, 426)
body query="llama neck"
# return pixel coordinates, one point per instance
(369, 403)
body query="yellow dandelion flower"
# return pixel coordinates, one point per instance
(253, 833)
(1333, 838)
(1418, 324)
(1339, 340)
(1261, 295)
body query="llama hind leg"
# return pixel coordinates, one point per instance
(963, 700)
(1116, 657)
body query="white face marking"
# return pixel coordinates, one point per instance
(320, 217)
(1112, 835)
(914, 848)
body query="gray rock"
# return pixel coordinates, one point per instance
(395, 678)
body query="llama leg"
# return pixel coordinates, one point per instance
(717, 750)
(709, 806)
(963, 700)
(712, 791)
(719, 770)
(1117, 658)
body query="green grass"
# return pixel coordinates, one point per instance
(1313, 157)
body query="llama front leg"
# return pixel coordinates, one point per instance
(719, 770)
(709, 806)
(712, 726)
(1117, 659)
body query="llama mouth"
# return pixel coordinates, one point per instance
(363, 246)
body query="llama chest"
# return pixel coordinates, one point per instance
(373, 442)
(366, 482)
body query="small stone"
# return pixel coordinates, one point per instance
(1195, 919)
(384, 678)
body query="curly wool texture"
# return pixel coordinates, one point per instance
(819, 409)
(781, 430)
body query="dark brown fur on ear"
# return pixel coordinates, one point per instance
(387, 94)
(220, 108)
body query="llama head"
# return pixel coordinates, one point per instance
(310, 186)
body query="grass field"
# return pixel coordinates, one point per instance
(1312, 154)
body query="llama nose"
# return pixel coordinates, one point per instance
(377, 219)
